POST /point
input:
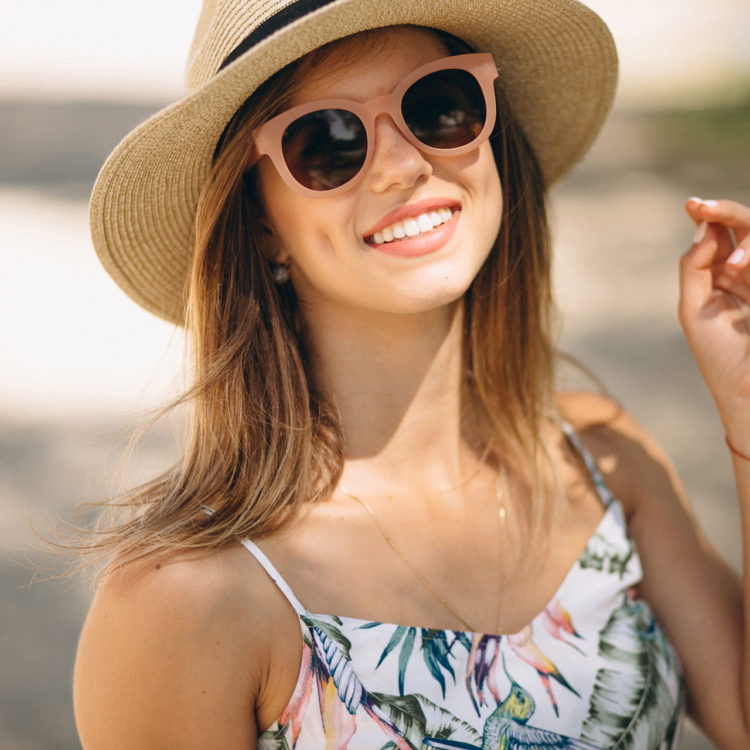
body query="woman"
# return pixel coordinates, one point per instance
(386, 530)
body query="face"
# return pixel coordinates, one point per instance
(335, 244)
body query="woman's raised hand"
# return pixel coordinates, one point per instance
(715, 307)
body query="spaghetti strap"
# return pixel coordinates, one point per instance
(275, 576)
(605, 494)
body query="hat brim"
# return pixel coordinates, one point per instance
(557, 64)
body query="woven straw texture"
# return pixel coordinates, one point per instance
(556, 60)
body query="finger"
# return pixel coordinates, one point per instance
(694, 207)
(739, 259)
(729, 213)
(730, 296)
(704, 268)
(712, 243)
(733, 275)
(697, 272)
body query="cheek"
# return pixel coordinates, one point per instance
(312, 235)
(287, 211)
(492, 185)
(277, 198)
(490, 192)
(305, 226)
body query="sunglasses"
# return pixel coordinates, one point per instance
(444, 108)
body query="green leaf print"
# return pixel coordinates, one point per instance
(417, 718)
(273, 740)
(442, 724)
(632, 706)
(435, 668)
(333, 633)
(435, 652)
(600, 554)
(434, 647)
(398, 634)
(404, 656)
(406, 713)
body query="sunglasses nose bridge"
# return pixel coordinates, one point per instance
(386, 104)
(394, 159)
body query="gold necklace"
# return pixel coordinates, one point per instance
(501, 513)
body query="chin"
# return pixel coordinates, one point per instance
(427, 301)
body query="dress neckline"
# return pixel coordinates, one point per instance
(609, 502)
(613, 507)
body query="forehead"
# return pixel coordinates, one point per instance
(363, 65)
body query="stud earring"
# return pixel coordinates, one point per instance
(279, 273)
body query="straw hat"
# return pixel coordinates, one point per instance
(557, 64)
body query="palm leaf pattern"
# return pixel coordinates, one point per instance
(404, 719)
(274, 739)
(416, 688)
(627, 707)
(420, 718)
(333, 663)
(602, 555)
(435, 648)
(337, 667)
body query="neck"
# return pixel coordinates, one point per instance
(397, 382)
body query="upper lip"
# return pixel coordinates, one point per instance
(411, 211)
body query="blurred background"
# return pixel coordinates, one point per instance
(81, 365)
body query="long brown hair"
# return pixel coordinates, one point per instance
(261, 441)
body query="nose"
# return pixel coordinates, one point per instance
(396, 163)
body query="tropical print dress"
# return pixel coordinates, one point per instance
(592, 670)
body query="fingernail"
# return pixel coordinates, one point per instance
(736, 257)
(695, 199)
(700, 232)
(710, 203)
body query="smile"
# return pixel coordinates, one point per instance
(413, 227)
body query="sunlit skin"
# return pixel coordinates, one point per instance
(205, 651)
(385, 330)
(334, 271)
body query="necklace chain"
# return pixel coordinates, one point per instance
(501, 513)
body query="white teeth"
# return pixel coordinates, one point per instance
(412, 227)
(425, 223)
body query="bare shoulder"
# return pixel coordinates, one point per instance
(633, 464)
(174, 652)
(599, 415)
(660, 518)
(202, 588)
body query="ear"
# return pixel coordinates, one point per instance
(272, 247)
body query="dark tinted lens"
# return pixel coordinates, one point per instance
(445, 109)
(325, 149)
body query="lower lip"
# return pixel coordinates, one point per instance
(422, 244)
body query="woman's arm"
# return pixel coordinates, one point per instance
(171, 656)
(693, 593)
(699, 601)
(715, 315)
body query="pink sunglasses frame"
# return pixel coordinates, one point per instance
(268, 137)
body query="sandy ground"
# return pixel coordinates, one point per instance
(619, 231)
